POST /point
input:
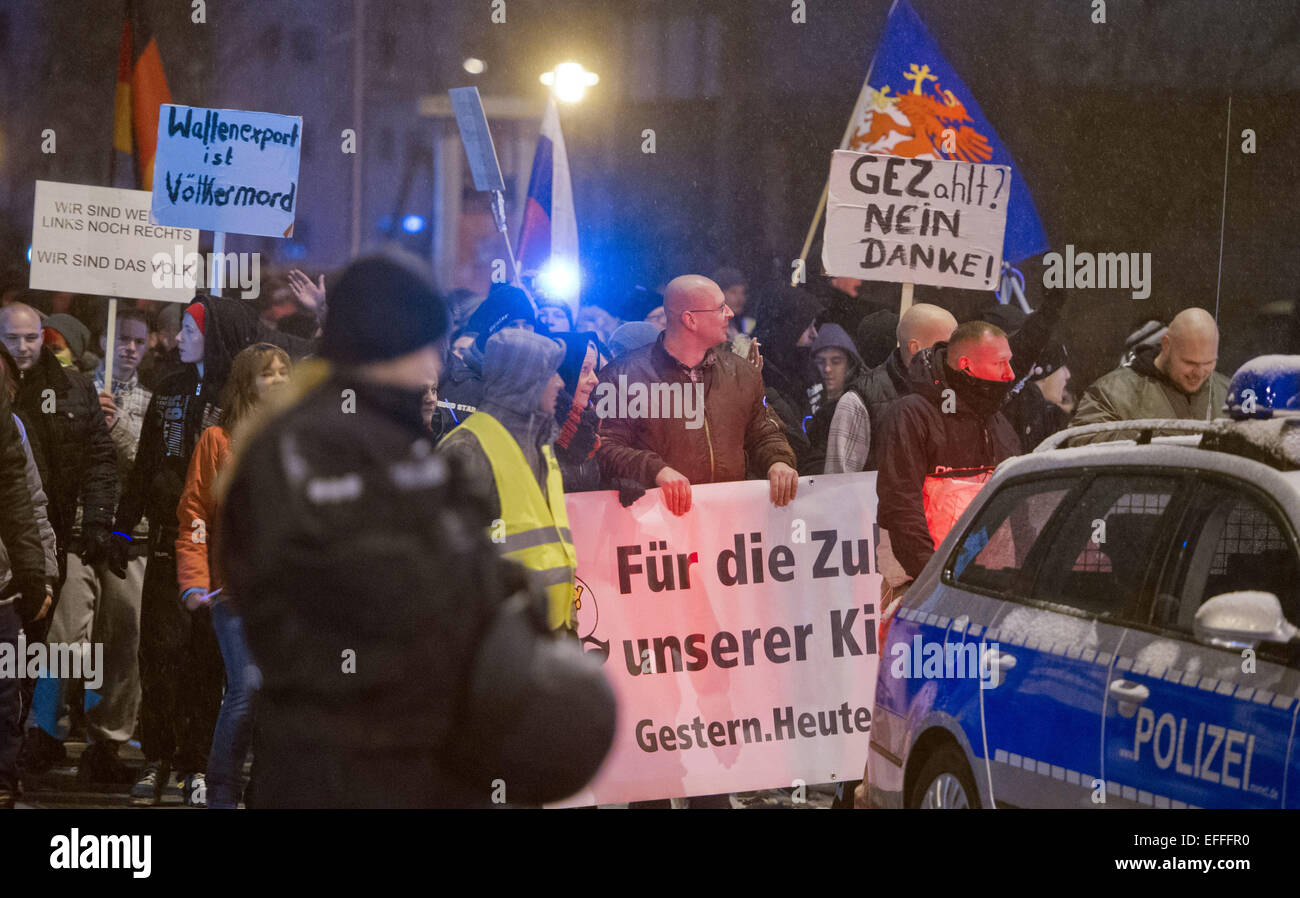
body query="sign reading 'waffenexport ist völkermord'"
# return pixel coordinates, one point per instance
(226, 170)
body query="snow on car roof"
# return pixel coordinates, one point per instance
(1280, 437)
(1171, 454)
(1272, 441)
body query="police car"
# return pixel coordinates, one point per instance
(1111, 624)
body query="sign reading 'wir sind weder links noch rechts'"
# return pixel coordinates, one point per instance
(226, 170)
(98, 240)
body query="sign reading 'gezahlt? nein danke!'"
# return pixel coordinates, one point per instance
(98, 240)
(226, 170)
(917, 221)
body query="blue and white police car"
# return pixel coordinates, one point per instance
(1112, 624)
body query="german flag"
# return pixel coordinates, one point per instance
(141, 90)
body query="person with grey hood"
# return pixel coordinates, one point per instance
(506, 306)
(837, 362)
(72, 343)
(521, 382)
(505, 448)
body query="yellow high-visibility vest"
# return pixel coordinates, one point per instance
(537, 527)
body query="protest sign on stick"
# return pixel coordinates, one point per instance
(227, 170)
(99, 240)
(743, 655)
(915, 221)
(483, 165)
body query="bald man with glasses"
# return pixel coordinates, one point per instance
(733, 436)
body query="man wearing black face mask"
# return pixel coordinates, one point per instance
(943, 440)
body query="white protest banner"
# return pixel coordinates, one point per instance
(741, 637)
(226, 170)
(99, 240)
(915, 221)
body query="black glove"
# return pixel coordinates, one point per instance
(30, 598)
(94, 545)
(119, 550)
(628, 490)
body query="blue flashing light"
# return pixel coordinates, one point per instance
(560, 279)
(1265, 387)
(413, 224)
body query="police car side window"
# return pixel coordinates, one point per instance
(993, 553)
(1101, 552)
(1230, 541)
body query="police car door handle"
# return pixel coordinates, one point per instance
(1125, 691)
(996, 658)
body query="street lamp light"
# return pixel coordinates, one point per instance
(570, 81)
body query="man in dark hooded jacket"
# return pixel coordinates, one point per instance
(404, 663)
(1034, 355)
(70, 341)
(837, 361)
(941, 442)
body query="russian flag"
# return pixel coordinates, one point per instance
(548, 239)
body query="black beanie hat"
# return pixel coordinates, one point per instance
(1008, 317)
(575, 353)
(877, 337)
(382, 307)
(639, 303)
(504, 304)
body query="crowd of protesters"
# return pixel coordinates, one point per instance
(324, 530)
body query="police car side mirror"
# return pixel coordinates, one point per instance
(1239, 620)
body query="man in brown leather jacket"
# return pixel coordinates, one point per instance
(656, 430)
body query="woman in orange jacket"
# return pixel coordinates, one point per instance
(255, 373)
